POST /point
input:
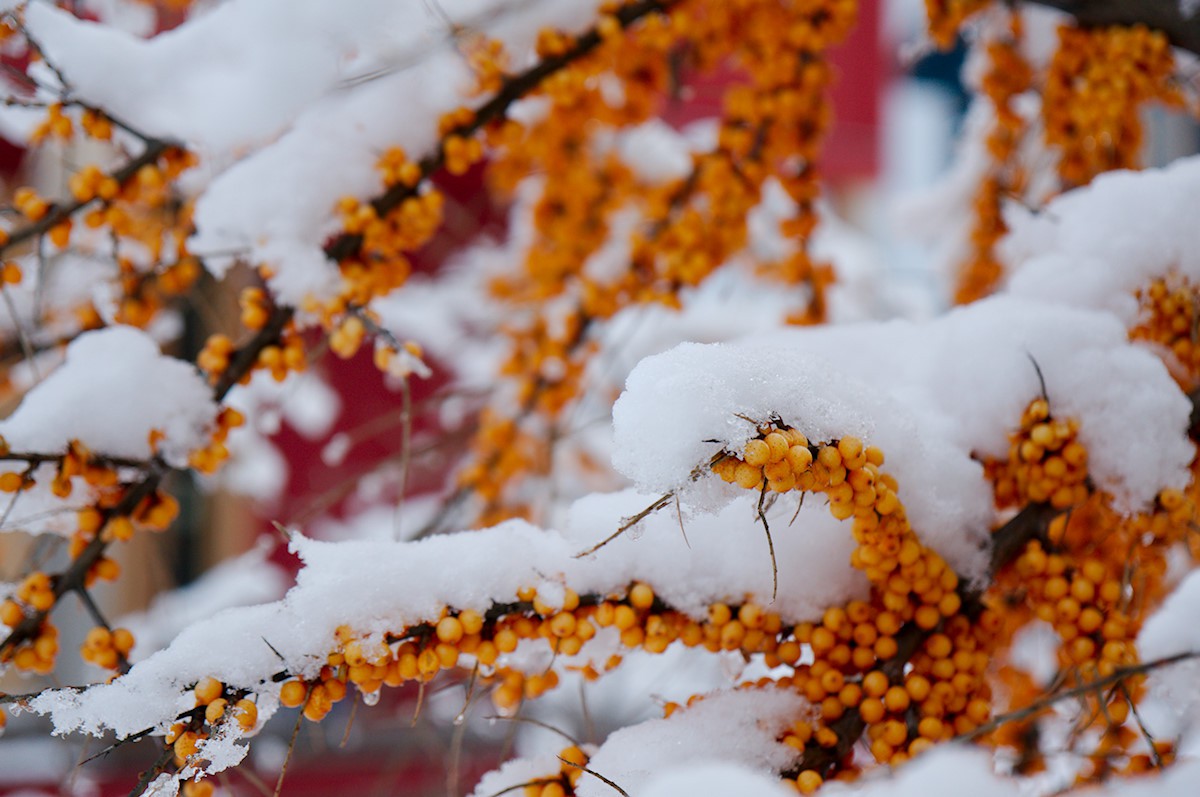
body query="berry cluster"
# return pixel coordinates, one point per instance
(1170, 320)
(106, 648)
(1046, 462)
(772, 127)
(944, 692)
(34, 594)
(946, 18)
(1095, 87)
(1008, 76)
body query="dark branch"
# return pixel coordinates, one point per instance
(243, 361)
(515, 87)
(59, 213)
(1168, 16)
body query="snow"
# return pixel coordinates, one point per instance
(114, 388)
(290, 103)
(929, 394)
(1171, 631)
(212, 82)
(400, 584)
(244, 580)
(736, 728)
(655, 151)
(714, 780)
(946, 771)
(1148, 232)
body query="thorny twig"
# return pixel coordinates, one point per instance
(762, 516)
(629, 523)
(1118, 676)
(595, 774)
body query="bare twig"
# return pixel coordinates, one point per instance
(595, 774)
(540, 724)
(629, 523)
(291, 746)
(157, 768)
(770, 543)
(1118, 676)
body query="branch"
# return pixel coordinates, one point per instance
(515, 87)
(1007, 542)
(74, 578)
(1168, 16)
(60, 213)
(243, 361)
(1118, 676)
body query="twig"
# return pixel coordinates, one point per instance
(156, 769)
(76, 573)
(1137, 717)
(679, 517)
(595, 774)
(799, 506)
(405, 454)
(629, 523)
(98, 617)
(540, 724)
(420, 702)
(243, 361)
(349, 721)
(770, 543)
(515, 87)
(291, 746)
(142, 734)
(1117, 676)
(22, 335)
(1041, 377)
(514, 787)
(60, 213)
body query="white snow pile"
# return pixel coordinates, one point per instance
(732, 734)
(113, 390)
(244, 580)
(740, 727)
(400, 584)
(289, 104)
(714, 780)
(1172, 631)
(1093, 247)
(946, 771)
(931, 395)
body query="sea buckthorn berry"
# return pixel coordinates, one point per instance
(293, 693)
(757, 453)
(641, 596)
(449, 629)
(207, 690)
(215, 710)
(246, 713)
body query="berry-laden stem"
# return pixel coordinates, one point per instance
(1091, 687)
(74, 578)
(1168, 16)
(514, 88)
(154, 471)
(1007, 542)
(58, 213)
(242, 362)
